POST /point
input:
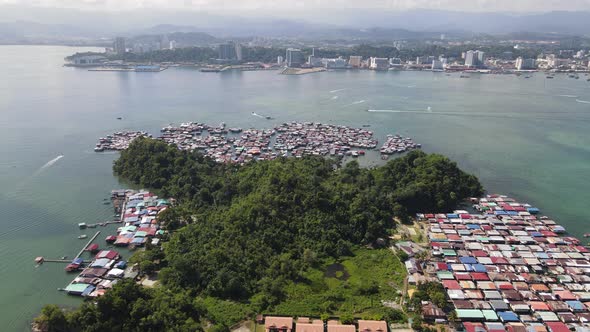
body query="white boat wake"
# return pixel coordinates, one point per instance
(334, 97)
(355, 103)
(258, 115)
(48, 164)
(334, 91)
(583, 101)
(567, 96)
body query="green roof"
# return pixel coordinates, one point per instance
(449, 252)
(490, 315)
(445, 275)
(77, 288)
(469, 313)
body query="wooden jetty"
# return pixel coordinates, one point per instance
(41, 260)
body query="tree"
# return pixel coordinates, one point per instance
(52, 319)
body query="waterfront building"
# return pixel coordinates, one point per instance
(338, 63)
(422, 60)
(280, 60)
(227, 51)
(474, 59)
(294, 57)
(525, 64)
(119, 45)
(438, 65)
(314, 61)
(379, 63)
(355, 61)
(86, 60)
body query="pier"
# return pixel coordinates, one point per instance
(87, 244)
(41, 260)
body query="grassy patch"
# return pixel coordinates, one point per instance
(354, 285)
(226, 312)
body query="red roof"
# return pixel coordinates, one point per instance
(557, 327)
(451, 284)
(480, 276)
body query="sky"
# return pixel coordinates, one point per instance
(521, 6)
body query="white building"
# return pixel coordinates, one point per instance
(379, 63)
(280, 60)
(525, 64)
(438, 65)
(338, 63)
(172, 45)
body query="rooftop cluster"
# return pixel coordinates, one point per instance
(506, 268)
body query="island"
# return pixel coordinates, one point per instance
(289, 237)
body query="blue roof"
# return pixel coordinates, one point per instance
(452, 215)
(508, 316)
(500, 212)
(576, 305)
(512, 213)
(468, 260)
(88, 290)
(479, 268)
(536, 234)
(533, 210)
(78, 261)
(473, 226)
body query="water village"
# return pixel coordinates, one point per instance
(138, 213)
(235, 145)
(504, 268)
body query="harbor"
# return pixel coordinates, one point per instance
(104, 267)
(291, 139)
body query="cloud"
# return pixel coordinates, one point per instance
(286, 5)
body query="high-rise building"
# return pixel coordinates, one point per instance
(525, 64)
(280, 60)
(164, 42)
(355, 61)
(119, 45)
(474, 59)
(481, 57)
(294, 57)
(227, 51)
(314, 61)
(239, 56)
(470, 59)
(172, 44)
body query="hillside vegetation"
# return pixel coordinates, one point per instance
(250, 238)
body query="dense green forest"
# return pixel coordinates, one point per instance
(244, 235)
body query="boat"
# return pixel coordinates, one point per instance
(587, 235)
(464, 76)
(119, 118)
(39, 260)
(111, 239)
(82, 225)
(83, 236)
(550, 77)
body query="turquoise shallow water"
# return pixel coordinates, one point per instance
(523, 137)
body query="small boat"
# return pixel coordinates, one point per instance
(39, 260)
(550, 77)
(64, 257)
(119, 118)
(587, 235)
(83, 236)
(82, 225)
